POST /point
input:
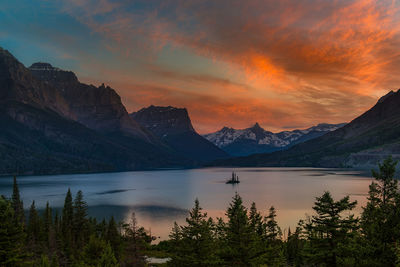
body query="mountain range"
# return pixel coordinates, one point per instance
(360, 144)
(53, 123)
(255, 139)
(174, 127)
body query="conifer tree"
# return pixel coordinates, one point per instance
(136, 241)
(80, 223)
(17, 203)
(108, 258)
(196, 246)
(113, 237)
(274, 255)
(239, 246)
(273, 231)
(256, 222)
(12, 237)
(380, 221)
(67, 224)
(329, 232)
(33, 225)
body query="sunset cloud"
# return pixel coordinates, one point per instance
(232, 63)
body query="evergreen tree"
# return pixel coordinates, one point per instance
(107, 258)
(93, 251)
(239, 246)
(196, 246)
(293, 248)
(274, 255)
(12, 236)
(67, 225)
(380, 221)
(17, 203)
(273, 231)
(80, 222)
(33, 225)
(256, 222)
(47, 225)
(329, 232)
(113, 237)
(136, 241)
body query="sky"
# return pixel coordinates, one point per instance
(285, 64)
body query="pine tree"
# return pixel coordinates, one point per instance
(256, 222)
(67, 224)
(93, 251)
(12, 237)
(80, 222)
(113, 237)
(34, 226)
(293, 248)
(329, 232)
(380, 221)
(108, 258)
(196, 246)
(17, 203)
(273, 231)
(136, 241)
(239, 247)
(274, 256)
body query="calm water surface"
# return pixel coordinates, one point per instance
(161, 197)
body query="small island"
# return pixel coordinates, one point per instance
(234, 179)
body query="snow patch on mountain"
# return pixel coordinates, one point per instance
(266, 140)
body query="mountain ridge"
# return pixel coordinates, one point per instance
(99, 108)
(173, 125)
(255, 139)
(362, 143)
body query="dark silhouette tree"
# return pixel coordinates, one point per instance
(12, 236)
(329, 232)
(17, 203)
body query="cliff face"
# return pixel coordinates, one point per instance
(174, 127)
(19, 85)
(164, 121)
(45, 130)
(99, 108)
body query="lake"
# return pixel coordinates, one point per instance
(161, 197)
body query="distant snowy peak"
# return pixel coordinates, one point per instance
(266, 140)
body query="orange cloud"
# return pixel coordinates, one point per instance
(292, 62)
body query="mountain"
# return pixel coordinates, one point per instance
(175, 128)
(361, 143)
(98, 108)
(44, 131)
(255, 139)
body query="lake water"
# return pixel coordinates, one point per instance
(161, 197)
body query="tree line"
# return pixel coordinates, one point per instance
(333, 236)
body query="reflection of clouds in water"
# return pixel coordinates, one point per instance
(116, 191)
(157, 219)
(159, 212)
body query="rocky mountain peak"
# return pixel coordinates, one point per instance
(43, 66)
(53, 75)
(164, 120)
(386, 96)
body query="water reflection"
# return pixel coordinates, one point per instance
(161, 197)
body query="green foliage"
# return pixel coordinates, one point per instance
(193, 243)
(380, 220)
(79, 221)
(329, 232)
(17, 203)
(12, 237)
